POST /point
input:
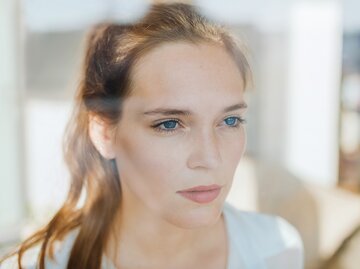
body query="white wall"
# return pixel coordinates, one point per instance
(313, 95)
(11, 176)
(47, 175)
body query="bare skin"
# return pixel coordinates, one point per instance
(208, 248)
(155, 226)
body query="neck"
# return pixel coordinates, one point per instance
(139, 235)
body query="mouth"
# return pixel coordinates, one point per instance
(201, 194)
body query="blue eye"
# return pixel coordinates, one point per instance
(169, 124)
(166, 126)
(234, 121)
(231, 121)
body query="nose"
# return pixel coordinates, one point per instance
(204, 151)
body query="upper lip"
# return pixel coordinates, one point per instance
(202, 188)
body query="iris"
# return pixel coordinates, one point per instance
(170, 124)
(231, 121)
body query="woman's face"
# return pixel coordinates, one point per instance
(181, 128)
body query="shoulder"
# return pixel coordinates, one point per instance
(273, 238)
(62, 251)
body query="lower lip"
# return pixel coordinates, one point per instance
(201, 197)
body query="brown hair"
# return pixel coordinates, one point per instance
(112, 50)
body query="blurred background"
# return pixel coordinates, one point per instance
(303, 152)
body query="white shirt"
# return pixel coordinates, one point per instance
(256, 241)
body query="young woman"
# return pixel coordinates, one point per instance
(153, 146)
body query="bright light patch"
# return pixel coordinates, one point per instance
(125, 11)
(226, 11)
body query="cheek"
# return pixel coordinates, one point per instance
(242, 143)
(145, 165)
(235, 149)
(151, 156)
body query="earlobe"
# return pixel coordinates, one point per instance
(101, 137)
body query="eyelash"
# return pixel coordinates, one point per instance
(159, 129)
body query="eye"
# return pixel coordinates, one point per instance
(234, 122)
(171, 124)
(167, 126)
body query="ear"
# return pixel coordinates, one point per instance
(101, 136)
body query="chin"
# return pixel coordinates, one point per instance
(198, 217)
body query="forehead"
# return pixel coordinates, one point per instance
(181, 73)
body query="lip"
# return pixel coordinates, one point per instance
(201, 194)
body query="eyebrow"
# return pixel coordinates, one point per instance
(181, 112)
